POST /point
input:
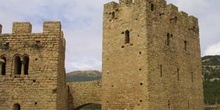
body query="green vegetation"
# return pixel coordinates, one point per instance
(78, 76)
(211, 80)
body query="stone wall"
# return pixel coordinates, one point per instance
(39, 82)
(84, 93)
(151, 57)
(175, 76)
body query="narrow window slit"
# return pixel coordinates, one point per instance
(185, 45)
(168, 39)
(192, 76)
(178, 74)
(161, 71)
(127, 37)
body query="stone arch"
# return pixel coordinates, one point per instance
(92, 106)
(16, 107)
(26, 64)
(17, 65)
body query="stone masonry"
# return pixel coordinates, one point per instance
(151, 61)
(151, 57)
(32, 68)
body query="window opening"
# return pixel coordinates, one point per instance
(178, 74)
(192, 77)
(18, 65)
(3, 66)
(26, 65)
(188, 104)
(152, 7)
(168, 38)
(17, 107)
(127, 37)
(161, 71)
(168, 104)
(185, 45)
(113, 15)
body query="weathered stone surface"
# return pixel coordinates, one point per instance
(44, 86)
(83, 93)
(151, 57)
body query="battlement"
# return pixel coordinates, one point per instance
(49, 27)
(159, 6)
(111, 5)
(21, 27)
(172, 7)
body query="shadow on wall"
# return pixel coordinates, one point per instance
(90, 106)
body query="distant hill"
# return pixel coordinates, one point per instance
(89, 75)
(211, 60)
(211, 79)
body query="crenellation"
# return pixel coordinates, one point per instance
(193, 20)
(171, 7)
(52, 27)
(160, 3)
(183, 15)
(21, 28)
(110, 6)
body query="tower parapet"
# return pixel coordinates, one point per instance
(51, 27)
(21, 28)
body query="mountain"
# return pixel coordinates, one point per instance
(87, 75)
(211, 79)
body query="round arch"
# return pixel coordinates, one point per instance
(16, 107)
(3, 65)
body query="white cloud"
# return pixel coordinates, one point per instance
(86, 64)
(213, 49)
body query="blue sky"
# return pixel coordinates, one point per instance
(82, 25)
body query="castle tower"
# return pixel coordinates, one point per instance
(151, 57)
(32, 75)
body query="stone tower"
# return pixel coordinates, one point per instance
(32, 75)
(151, 57)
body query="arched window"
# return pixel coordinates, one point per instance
(26, 65)
(3, 65)
(17, 107)
(17, 65)
(127, 37)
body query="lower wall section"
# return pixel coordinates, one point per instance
(84, 93)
